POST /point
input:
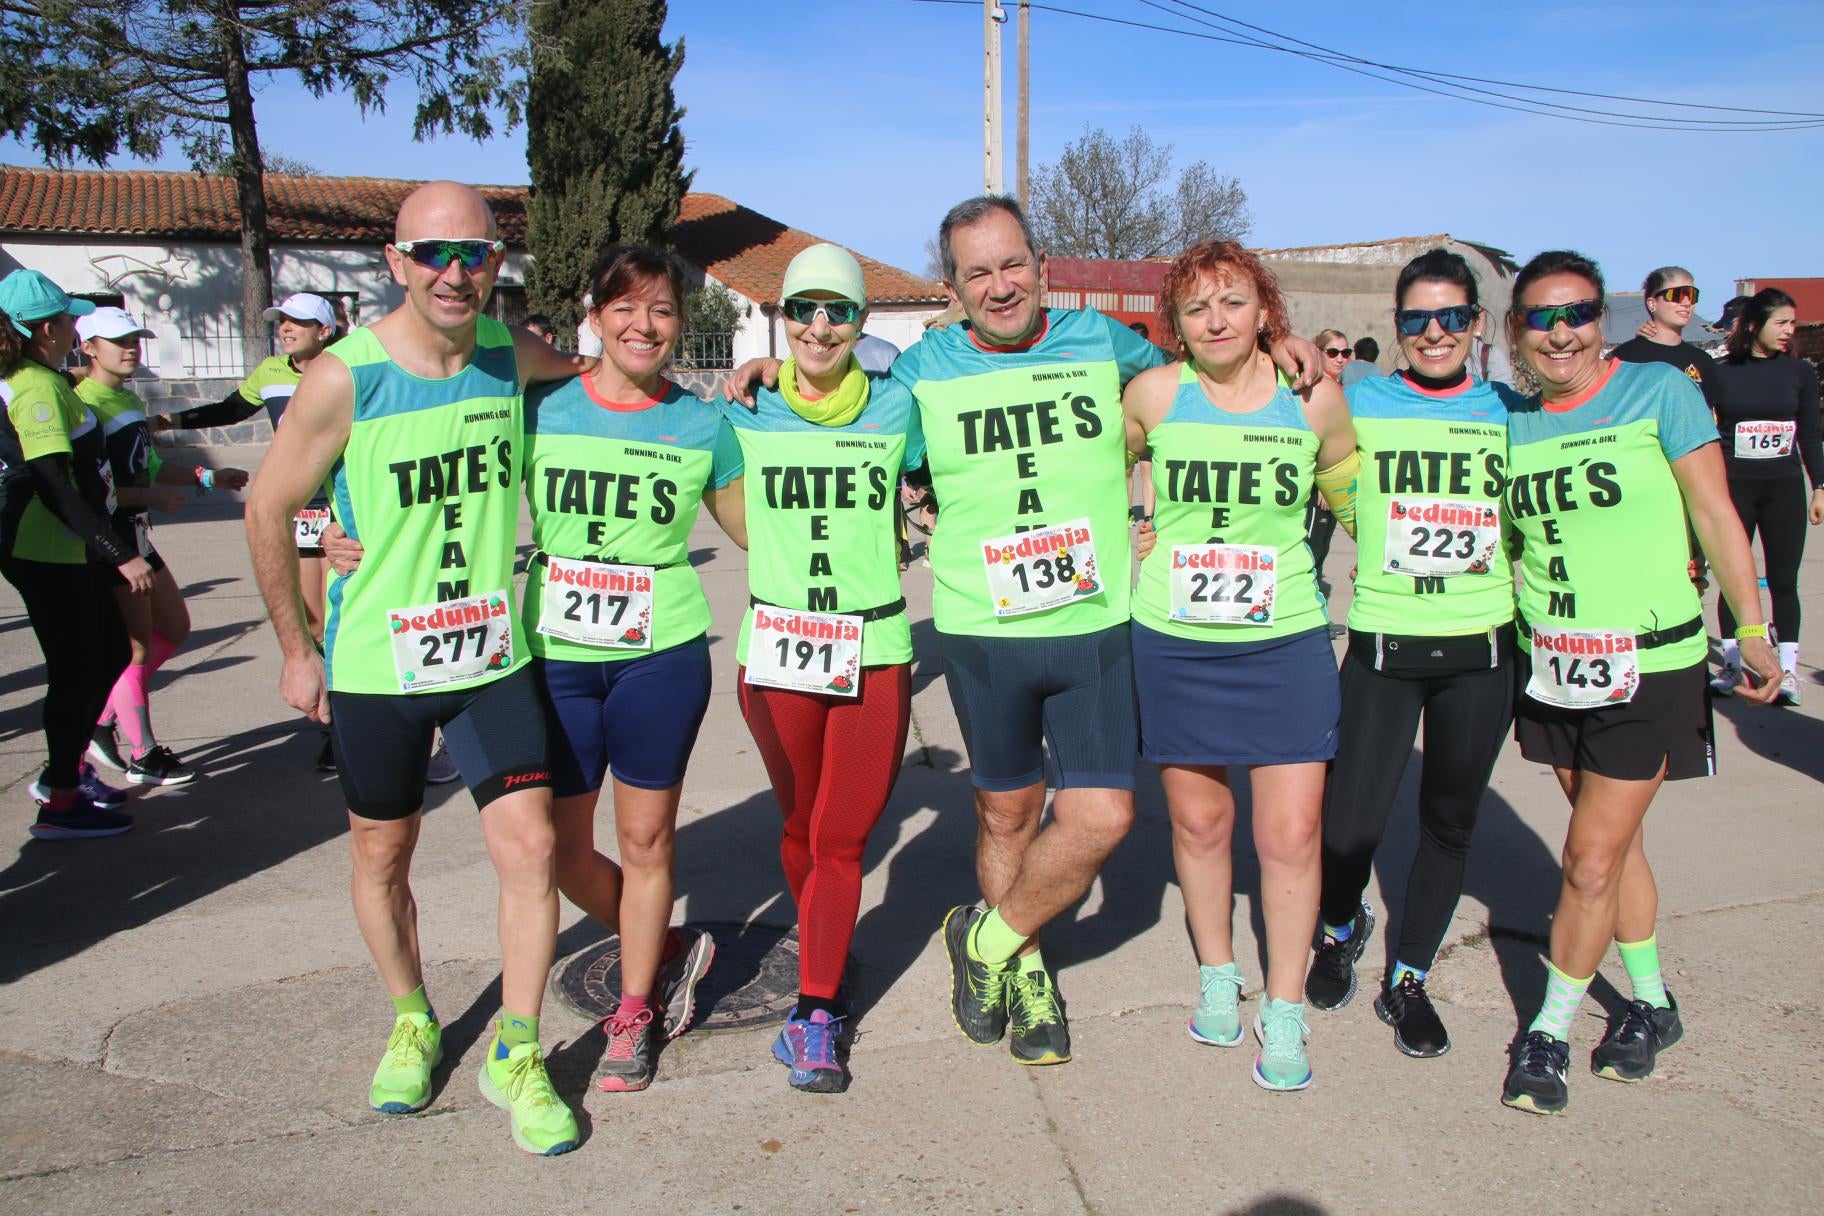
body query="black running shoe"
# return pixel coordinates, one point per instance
(1536, 1081)
(1634, 1040)
(326, 759)
(1417, 1028)
(1035, 1020)
(160, 766)
(81, 820)
(1331, 981)
(104, 748)
(978, 993)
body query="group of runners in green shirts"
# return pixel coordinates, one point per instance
(424, 430)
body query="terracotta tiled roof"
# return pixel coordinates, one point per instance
(742, 248)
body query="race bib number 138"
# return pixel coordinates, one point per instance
(1041, 569)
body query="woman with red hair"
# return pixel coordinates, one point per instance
(1227, 617)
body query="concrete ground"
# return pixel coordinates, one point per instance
(188, 1018)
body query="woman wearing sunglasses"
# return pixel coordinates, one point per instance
(1767, 409)
(1670, 296)
(1431, 637)
(1227, 620)
(1334, 345)
(1603, 466)
(825, 649)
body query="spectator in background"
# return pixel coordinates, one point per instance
(1367, 350)
(541, 325)
(1670, 295)
(1334, 344)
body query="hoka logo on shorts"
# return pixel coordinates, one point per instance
(452, 615)
(594, 578)
(802, 625)
(1036, 544)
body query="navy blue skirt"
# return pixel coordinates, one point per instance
(1273, 702)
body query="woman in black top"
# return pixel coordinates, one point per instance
(1767, 413)
(1670, 295)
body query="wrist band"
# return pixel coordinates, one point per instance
(197, 473)
(1743, 632)
(205, 480)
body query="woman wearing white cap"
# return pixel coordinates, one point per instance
(54, 498)
(826, 650)
(157, 624)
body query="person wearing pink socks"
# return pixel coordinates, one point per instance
(157, 624)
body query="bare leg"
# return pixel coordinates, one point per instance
(521, 842)
(1606, 815)
(1006, 822)
(384, 907)
(646, 824)
(1202, 809)
(1064, 859)
(1639, 893)
(1288, 820)
(170, 618)
(588, 879)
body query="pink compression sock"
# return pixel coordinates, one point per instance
(131, 713)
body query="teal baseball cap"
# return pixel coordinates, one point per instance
(27, 295)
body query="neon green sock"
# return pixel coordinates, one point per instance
(414, 1002)
(1030, 963)
(993, 942)
(1562, 996)
(1642, 961)
(515, 1030)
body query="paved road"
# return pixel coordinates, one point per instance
(188, 1017)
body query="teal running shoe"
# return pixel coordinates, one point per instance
(1217, 1018)
(1282, 1065)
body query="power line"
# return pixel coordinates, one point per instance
(1445, 82)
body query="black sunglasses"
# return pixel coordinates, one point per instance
(1339, 352)
(1455, 318)
(1576, 314)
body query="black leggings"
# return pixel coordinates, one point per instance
(1467, 715)
(1779, 509)
(84, 640)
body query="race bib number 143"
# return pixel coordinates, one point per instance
(1583, 668)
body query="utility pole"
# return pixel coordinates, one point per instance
(994, 176)
(1023, 117)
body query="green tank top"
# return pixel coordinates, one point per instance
(822, 534)
(1428, 505)
(45, 417)
(1239, 481)
(620, 484)
(1599, 512)
(429, 484)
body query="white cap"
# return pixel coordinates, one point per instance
(304, 307)
(112, 324)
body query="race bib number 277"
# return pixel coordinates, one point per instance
(451, 642)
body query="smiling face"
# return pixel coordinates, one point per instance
(639, 329)
(1219, 321)
(822, 349)
(998, 279)
(116, 356)
(1335, 363)
(1565, 359)
(1776, 335)
(1436, 352)
(450, 299)
(1665, 311)
(303, 340)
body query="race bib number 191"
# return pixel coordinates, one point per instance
(804, 651)
(1227, 584)
(1429, 537)
(1583, 668)
(1040, 569)
(451, 642)
(597, 604)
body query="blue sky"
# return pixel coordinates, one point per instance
(861, 122)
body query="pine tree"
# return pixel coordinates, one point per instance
(603, 144)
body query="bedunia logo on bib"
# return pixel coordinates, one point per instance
(451, 615)
(1222, 557)
(594, 577)
(802, 625)
(1456, 515)
(1595, 642)
(1036, 544)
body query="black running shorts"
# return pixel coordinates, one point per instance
(1667, 722)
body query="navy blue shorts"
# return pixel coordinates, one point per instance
(495, 733)
(1250, 703)
(635, 717)
(1016, 696)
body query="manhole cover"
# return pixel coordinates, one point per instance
(752, 982)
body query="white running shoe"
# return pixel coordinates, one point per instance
(442, 769)
(1789, 693)
(1726, 680)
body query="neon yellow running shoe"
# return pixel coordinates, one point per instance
(402, 1083)
(517, 1083)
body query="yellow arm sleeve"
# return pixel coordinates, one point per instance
(1337, 485)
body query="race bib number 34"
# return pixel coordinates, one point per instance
(1583, 668)
(1428, 537)
(451, 642)
(1764, 440)
(804, 651)
(1224, 584)
(1041, 569)
(597, 604)
(307, 527)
